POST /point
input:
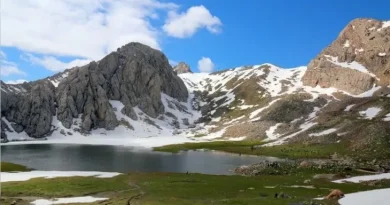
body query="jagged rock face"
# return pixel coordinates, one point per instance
(30, 112)
(356, 60)
(182, 68)
(135, 75)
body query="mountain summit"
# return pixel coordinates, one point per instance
(182, 68)
(135, 75)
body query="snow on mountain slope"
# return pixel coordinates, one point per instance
(256, 102)
(245, 101)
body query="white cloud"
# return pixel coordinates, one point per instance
(19, 81)
(205, 65)
(8, 68)
(53, 64)
(85, 29)
(2, 55)
(187, 23)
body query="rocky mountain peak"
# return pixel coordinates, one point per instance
(136, 76)
(356, 60)
(182, 67)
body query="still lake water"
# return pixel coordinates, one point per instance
(61, 157)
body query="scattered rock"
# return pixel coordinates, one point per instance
(304, 164)
(191, 126)
(185, 121)
(175, 124)
(176, 132)
(18, 128)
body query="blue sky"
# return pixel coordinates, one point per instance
(225, 35)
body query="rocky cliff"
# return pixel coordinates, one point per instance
(136, 75)
(356, 61)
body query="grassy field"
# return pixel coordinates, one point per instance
(293, 151)
(10, 167)
(175, 189)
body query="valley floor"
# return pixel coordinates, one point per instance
(168, 188)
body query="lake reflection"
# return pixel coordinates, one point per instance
(123, 159)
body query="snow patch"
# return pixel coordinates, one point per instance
(325, 132)
(349, 107)
(256, 112)
(70, 200)
(370, 113)
(377, 197)
(387, 118)
(368, 93)
(216, 119)
(346, 44)
(271, 132)
(359, 179)
(24, 176)
(237, 138)
(13, 135)
(235, 120)
(381, 54)
(358, 50)
(303, 128)
(353, 65)
(302, 186)
(385, 24)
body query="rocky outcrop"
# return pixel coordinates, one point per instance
(135, 74)
(356, 60)
(30, 112)
(182, 68)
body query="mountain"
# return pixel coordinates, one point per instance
(356, 60)
(341, 97)
(136, 78)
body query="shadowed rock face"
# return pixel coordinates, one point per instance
(31, 112)
(135, 75)
(363, 41)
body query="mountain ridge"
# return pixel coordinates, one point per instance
(124, 98)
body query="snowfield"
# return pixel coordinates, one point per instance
(70, 200)
(24, 176)
(373, 197)
(377, 197)
(359, 179)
